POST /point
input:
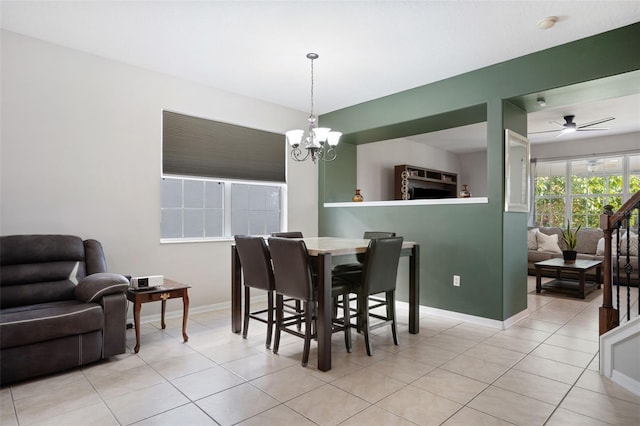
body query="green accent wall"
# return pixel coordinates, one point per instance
(482, 243)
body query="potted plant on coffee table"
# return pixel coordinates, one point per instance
(570, 239)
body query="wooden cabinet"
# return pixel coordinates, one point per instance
(423, 183)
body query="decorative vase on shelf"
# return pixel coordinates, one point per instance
(357, 197)
(465, 192)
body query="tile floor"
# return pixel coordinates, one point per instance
(542, 371)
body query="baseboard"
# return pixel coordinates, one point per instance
(629, 383)
(423, 310)
(470, 318)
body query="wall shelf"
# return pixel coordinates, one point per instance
(423, 183)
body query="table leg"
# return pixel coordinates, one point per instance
(582, 274)
(164, 309)
(185, 314)
(236, 296)
(598, 275)
(136, 323)
(324, 312)
(414, 290)
(538, 280)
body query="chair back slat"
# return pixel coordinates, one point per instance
(255, 261)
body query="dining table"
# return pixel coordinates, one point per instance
(325, 251)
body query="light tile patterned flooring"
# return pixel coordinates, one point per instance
(542, 371)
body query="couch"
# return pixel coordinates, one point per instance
(590, 247)
(59, 308)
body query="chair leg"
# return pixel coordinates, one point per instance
(347, 321)
(299, 311)
(269, 318)
(391, 309)
(364, 322)
(247, 307)
(279, 318)
(308, 320)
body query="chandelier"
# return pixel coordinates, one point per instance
(320, 142)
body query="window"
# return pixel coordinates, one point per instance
(194, 208)
(577, 190)
(220, 180)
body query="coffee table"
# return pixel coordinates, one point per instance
(565, 284)
(169, 290)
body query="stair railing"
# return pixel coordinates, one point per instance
(618, 267)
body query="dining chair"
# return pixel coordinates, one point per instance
(297, 306)
(294, 279)
(349, 271)
(378, 276)
(257, 271)
(348, 268)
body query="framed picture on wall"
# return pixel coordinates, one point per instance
(516, 172)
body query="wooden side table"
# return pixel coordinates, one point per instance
(169, 290)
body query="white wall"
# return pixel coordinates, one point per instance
(473, 172)
(81, 154)
(376, 161)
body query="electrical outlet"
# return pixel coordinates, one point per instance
(456, 280)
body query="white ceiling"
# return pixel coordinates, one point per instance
(368, 49)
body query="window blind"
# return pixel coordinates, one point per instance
(194, 146)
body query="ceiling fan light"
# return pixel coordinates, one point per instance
(548, 22)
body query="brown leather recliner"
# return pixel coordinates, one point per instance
(58, 307)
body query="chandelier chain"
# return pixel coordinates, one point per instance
(312, 88)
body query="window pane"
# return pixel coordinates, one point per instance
(171, 193)
(272, 198)
(240, 222)
(239, 196)
(171, 223)
(550, 212)
(193, 223)
(214, 195)
(256, 198)
(213, 223)
(193, 194)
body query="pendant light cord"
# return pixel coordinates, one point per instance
(312, 88)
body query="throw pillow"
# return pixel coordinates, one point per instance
(600, 248)
(532, 241)
(632, 247)
(548, 242)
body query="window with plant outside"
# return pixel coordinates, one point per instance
(576, 190)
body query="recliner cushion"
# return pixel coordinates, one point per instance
(24, 325)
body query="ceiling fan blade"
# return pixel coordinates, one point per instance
(593, 123)
(561, 125)
(592, 128)
(544, 131)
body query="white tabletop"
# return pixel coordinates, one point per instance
(341, 246)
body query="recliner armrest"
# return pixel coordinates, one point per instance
(94, 286)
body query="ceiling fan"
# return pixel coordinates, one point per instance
(570, 126)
